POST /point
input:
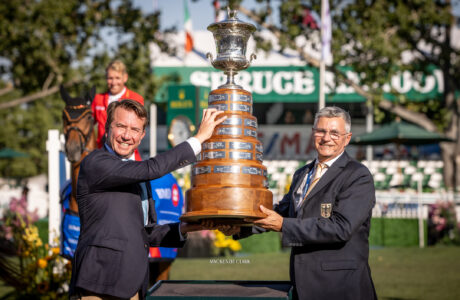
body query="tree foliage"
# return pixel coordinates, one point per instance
(46, 43)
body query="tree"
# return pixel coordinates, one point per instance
(372, 37)
(44, 44)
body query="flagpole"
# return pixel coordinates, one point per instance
(322, 64)
(325, 50)
(322, 70)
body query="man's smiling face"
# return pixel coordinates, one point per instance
(126, 132)
(330, 137)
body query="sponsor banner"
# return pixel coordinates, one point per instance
(169, 202)
(301, 83)
(293, 142)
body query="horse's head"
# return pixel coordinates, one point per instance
(78, 124)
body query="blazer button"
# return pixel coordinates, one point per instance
(146, 246)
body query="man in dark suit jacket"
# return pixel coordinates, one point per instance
(118, 222)
(327, 221)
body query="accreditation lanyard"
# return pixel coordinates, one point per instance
(307, 183)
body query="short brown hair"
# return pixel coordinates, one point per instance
(129, 105)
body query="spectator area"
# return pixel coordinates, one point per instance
(389, 175)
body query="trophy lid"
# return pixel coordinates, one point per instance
(232, 22)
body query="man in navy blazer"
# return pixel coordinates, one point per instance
(117, 213)
(326, 221)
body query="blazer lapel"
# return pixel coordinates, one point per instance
(330, 174)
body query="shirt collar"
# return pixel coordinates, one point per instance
(117, 96)
(132, 157)
(330, 162)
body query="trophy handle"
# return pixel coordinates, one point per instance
(210, 57)
(252, 57)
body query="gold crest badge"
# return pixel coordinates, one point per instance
(326, 210)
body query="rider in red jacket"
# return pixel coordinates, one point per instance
(116, 76)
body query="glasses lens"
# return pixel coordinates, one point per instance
(321, 133)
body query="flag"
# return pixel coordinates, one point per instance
(326, 33)
(309, 19)
(219, 14)
(187, 29)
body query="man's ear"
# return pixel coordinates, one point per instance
(348, 138)
(125, 78)
(142, 136)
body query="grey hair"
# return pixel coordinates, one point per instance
(334, 112)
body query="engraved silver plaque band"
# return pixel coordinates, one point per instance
(242, 98)
(201, 170)
(259, 148)
(252, 171)
(213, 145)
(259, 156)
(249, 132)
(240, 155)
(229, 131)
(240, 146)
(217, 97)
(213, 154)
(220, 107)
(241, 107)
(232, 121)
(249, 122)
(227, 169)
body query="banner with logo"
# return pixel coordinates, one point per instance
(301, 83)
(169, 202)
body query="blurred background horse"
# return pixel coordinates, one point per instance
(80, 138)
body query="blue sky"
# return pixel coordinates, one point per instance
(201, 12)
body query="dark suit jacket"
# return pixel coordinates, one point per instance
(329, 232)
(112, 252)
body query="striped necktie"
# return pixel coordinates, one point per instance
(318, 173)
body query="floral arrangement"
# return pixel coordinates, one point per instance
(34, 269)
(225, 245)
(443, 226)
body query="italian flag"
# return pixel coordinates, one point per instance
(188, 29)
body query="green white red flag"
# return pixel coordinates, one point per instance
(188, 29)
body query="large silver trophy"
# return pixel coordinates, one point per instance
(229, 182)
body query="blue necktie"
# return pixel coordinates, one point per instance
(145, 201)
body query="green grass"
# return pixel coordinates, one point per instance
(398, 273)
(413, 273)
(263, 266)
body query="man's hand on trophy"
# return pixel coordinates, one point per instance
(225, 229)
(229, 230)
(208, 123)
(190, 227)
(272, 221)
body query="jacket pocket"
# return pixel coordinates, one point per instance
(101, 263)
(339, 265)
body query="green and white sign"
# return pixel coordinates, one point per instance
(299, 83)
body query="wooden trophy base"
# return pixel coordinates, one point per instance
(226, 205)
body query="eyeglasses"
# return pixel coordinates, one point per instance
(335, 135)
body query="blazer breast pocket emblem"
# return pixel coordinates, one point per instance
(326, 209)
